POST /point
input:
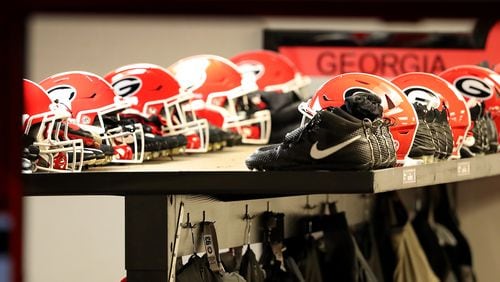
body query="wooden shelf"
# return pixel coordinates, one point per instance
(225, 175)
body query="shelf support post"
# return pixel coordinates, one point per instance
(146, 238)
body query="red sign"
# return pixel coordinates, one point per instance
(389, 61)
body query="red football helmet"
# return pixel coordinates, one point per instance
(473, 82)
(45, 122)
(477, 84)
(396, 106)
(221, 95)
(435, 92)
(274, 72)
(153, 90)
(90, 98)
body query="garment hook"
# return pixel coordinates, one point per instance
(188, 223)
(247, 216)
(308, 206)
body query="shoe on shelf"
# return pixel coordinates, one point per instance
(329, 141)
(469, 141)
(479, 132)
(448, 134)
(481, 144)
(231, 138)
(181, 142)
(492, 133)
(220, 138)
(216, 138)
(169, 145)
(441, 133)
(424, 145)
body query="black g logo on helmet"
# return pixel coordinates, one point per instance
(126, 87)
(473, 88)
(422, 96)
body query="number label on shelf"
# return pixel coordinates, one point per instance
(409, 176)
(463, 168)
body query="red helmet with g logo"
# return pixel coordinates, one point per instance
(153, 90)
(396, 106)
(45, 122)
(477, 84)
(90, 99)
(273, 71)
(221, 95)
(473, 82)
(434, 91)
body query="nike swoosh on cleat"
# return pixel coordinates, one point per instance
(320, 154)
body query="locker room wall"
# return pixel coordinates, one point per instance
(82, 237)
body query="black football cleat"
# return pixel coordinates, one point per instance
(177, 144)
(492, 134)
(441, 133)
(328, 141)
(448, 133)
(481, 144)
(424, 145)
(215, 138)
(479, 132)
(231, 138)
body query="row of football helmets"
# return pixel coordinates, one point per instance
(138, 112)
(360, 121)
(202, 103)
